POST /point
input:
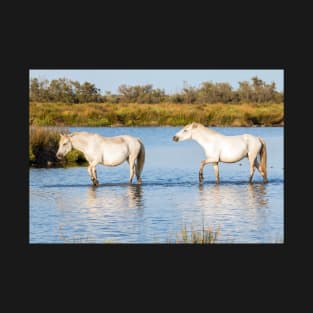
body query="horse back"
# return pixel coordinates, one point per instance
(132, 142)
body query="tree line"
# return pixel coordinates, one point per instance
(69, 91)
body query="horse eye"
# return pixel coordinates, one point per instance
(185, 130)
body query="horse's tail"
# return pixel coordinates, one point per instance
(140, 160)
(263, 159)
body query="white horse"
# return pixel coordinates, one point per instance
(228, 149)
(109, 151)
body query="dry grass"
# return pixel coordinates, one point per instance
(43, 145)
(171, 114)
(204, 236)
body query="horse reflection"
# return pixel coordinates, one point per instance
(257, 195)
(98, 198)
(135, 196)
(210, 196)
(234, 207)
(83, 213)
(221, 197)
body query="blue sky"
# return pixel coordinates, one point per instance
(169, 80)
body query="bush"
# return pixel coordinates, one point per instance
(75, 156)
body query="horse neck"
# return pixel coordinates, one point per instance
(204, 136)
(78, 144)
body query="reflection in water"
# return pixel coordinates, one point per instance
(249, 196)
(115, 198)
(92, 215)
(257, 195)
(213, 197)
(239, 207)
(135, 196)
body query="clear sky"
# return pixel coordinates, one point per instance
(169, 80)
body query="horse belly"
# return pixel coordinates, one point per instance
(115, 157)
(233, 153)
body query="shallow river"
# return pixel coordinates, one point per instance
(65, 208)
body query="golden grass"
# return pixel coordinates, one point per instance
(162, 114)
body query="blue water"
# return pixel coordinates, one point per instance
(65, 208)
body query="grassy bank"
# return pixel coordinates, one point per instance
(43, 145)
(170, 114)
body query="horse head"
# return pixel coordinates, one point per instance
(186, 132)
(65, 145)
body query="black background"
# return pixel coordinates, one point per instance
(55, 36)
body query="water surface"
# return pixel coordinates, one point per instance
(65, 208)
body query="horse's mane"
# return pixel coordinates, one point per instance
(84, 133)
(78, 133)
(205, 128)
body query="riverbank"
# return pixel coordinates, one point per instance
(162, 114)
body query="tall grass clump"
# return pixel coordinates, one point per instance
(204, 236)
(43, 145)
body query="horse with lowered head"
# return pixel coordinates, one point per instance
(109, 151)
(227, 149)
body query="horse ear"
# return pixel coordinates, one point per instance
(194, 125)
(66, 134)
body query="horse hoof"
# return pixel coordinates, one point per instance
(139, 181)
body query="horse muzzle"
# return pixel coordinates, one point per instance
(175, 138)
(59, 156)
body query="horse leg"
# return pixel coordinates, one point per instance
(93, 173)
(202, 164)
(216, 171)
(89, 168)
(131, 162)
(252, 159)
(258, 167)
